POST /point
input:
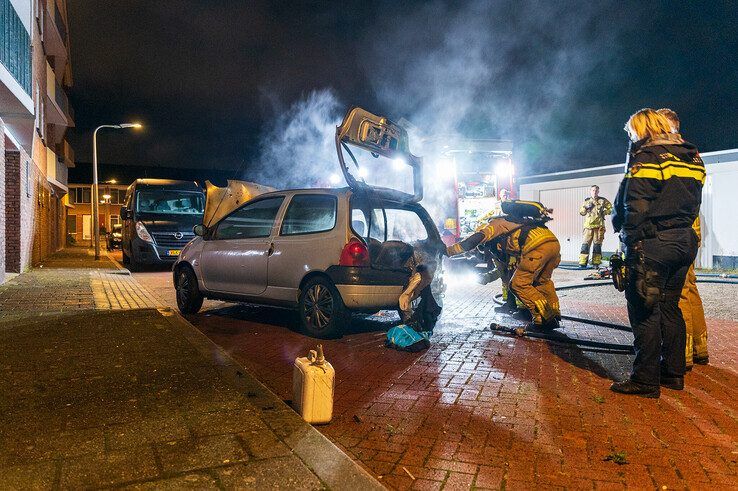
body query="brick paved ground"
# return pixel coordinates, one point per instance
(484, 410)
(96, 393)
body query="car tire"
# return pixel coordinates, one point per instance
(321, 310)
(189, 297)
(133, 265)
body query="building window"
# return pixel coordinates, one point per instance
(80, 196)
(117, 196)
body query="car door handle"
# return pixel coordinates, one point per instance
(271, 250)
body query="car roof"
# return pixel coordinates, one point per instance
(344, 191)
(167, 183)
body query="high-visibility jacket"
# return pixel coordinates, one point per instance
(514, 233)
(661, 190)
(594, 211)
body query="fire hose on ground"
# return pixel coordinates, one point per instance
(600, 346)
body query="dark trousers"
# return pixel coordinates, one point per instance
(658, 325)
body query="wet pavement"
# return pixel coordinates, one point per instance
(98, 392)
(485, 410)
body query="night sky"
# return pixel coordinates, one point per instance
(211, 79)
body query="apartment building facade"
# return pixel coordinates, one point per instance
(35, 73)
(79, 210)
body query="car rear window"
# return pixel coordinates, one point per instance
(309, 214)
(387, 223)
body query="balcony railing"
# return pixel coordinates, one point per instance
(58, 110)
(15, 46)
(54, 35)
(56, 170)
(59, 21)
(60, 96)
(65, 153)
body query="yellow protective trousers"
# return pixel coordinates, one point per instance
(690, 304)
(590, 236)
(532, 282)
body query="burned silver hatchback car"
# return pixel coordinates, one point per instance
(326, 252)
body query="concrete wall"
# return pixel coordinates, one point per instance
(565, 197)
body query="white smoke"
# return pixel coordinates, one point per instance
(479, 69)
(298, 149)
(500, 70)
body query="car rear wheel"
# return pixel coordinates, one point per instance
(321, 309)
(189, 298)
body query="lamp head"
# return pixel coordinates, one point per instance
(129, 125)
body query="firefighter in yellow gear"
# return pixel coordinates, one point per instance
(538, 254)
(594, 210)
(690, 304)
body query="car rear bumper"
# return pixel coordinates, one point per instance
(370, 297)
(368, 288)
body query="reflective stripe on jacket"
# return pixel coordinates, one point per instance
(661, 189)
(498, 227)
(594, 215)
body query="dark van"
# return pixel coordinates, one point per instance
(158, 217)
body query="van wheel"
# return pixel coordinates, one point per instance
(189, 298)
(133, 265)
(321, 309)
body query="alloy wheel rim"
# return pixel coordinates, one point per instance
(183, 290)
(318, 306)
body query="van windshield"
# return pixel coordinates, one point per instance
(170, 201)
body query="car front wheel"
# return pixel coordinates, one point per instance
(189, 298)
(321, 309)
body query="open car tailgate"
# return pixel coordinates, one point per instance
(381, 137)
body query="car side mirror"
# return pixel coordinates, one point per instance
(125, 213)
(200, 230)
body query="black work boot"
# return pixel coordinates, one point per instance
(701, 360)
(634, 388)
(675, 383)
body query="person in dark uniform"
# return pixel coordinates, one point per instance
(657, 203)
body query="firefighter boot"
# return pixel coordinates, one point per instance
(583, 258)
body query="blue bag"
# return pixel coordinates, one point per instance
(405, 338)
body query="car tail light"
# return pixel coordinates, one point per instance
(354, 254)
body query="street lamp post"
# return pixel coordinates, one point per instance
(95, 198)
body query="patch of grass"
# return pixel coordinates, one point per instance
(599, 399)
(620, 458)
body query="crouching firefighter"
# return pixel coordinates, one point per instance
(522, 233)
(657, 203)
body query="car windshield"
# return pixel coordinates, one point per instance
(170, 201)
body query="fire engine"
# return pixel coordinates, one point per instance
(467, 177)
